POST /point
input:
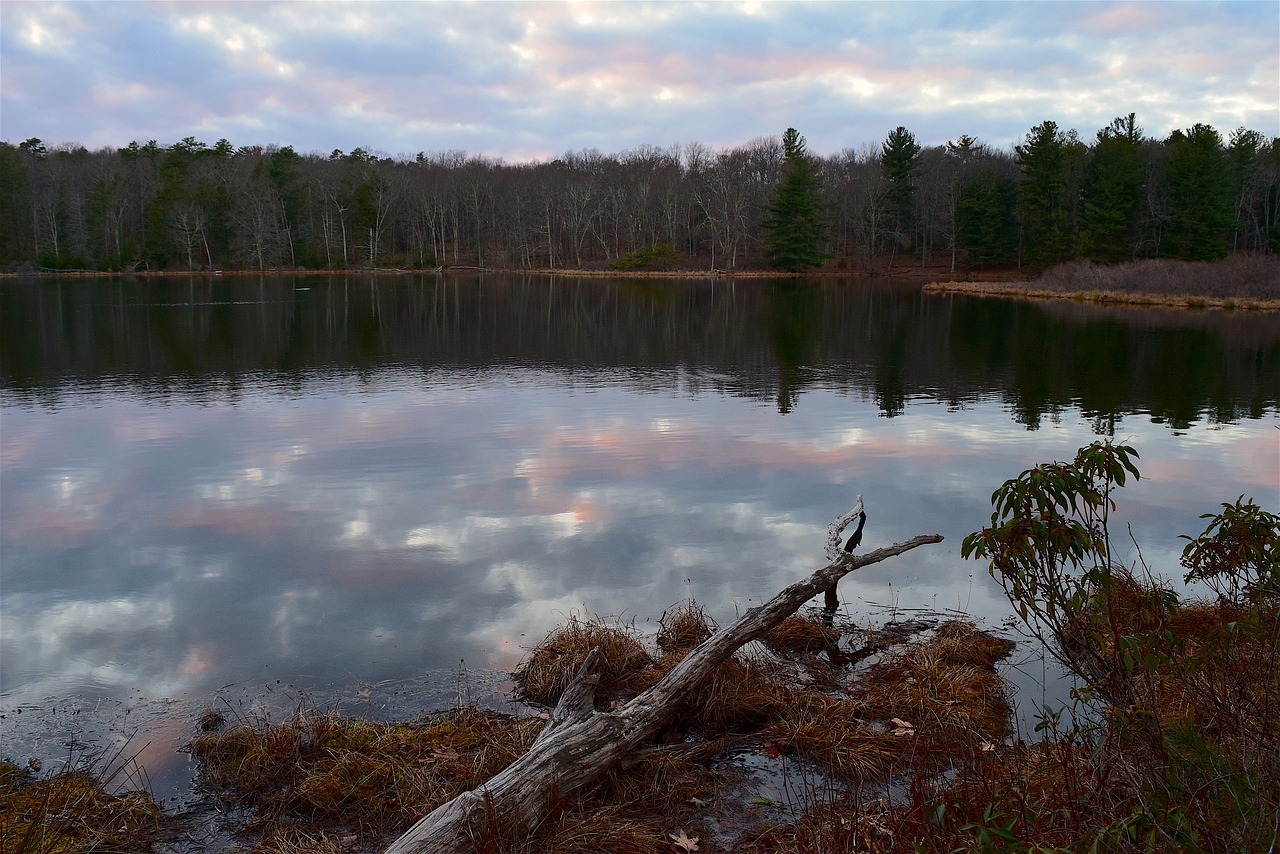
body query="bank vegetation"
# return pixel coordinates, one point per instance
(1245, 282)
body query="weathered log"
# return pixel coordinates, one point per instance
(579, 744)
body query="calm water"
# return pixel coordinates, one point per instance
(353, 485)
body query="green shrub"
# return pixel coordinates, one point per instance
(657, 257)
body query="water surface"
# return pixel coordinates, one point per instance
(348, 485)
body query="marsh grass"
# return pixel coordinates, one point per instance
(549, 668)
(802, 634)
(911, 752)
(1241, 277)
(76, 809)
(338, 781)
(684, 627)
(1241, 282)
(325, 769)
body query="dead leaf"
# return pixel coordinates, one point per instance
(684, 843)
(902, 727)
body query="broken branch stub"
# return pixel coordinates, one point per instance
(837, 528)
(579, 744)
(831, 601)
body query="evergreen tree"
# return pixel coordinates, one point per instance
(1049, 159)
(986, 224)
(1113, 193)
(15, 205)
(796, 227)
(1199, 194)
(900, 158)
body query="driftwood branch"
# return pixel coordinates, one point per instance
(837, 528)
(579, 744)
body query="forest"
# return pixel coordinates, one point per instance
(968, 205)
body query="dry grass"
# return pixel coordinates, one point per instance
(297, 840)
(607, 828)
(371, 777)
(738, 696)
(330, 783)
(830, 731)
(946, 687)
(802, 635)
(1236, 283)
(73, 811)
(684, 627)
(547, 671)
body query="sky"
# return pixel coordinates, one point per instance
(531, 81)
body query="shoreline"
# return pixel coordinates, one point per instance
(915, 273)
(1136, 299)
(990, 283)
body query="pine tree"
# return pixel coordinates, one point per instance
(986, 226)
(1113, 193)
(1199, 194)
(1047, 195)
(900, 158)
(796, 228)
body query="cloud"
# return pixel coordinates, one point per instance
(523, 80)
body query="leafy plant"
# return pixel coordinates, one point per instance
(1182, 749)
(1049, 547)
(1238, 555)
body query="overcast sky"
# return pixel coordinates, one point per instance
(526, 81)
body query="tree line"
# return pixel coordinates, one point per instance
(1052, 198)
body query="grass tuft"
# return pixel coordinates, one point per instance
(801, 635)
(684, 627)
(372, 777)
(553, 663)
(73, 811)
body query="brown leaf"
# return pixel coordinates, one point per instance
(903, 727)
(684, 843)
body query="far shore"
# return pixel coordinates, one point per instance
(1026, 290)
(1005, 283)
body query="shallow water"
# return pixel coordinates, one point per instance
(360, 487)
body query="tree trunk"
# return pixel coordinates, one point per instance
(579, 744)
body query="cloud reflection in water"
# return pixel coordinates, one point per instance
(363, 533)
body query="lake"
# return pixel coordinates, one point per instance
(381, 491)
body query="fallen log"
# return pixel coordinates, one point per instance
(579, 744)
